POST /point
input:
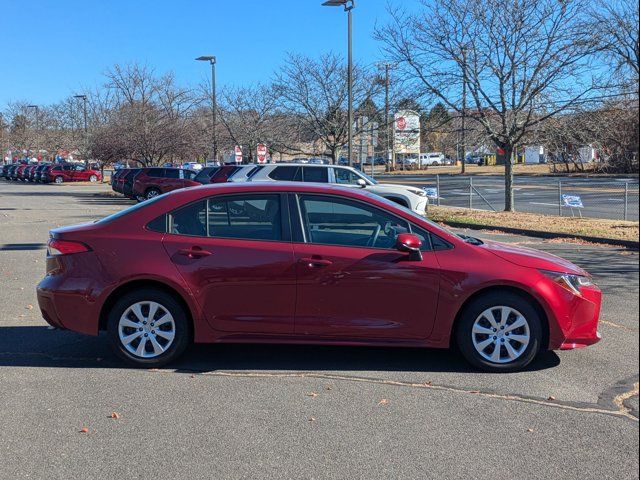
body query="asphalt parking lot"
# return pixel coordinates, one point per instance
(301, 412)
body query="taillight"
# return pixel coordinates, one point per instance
(65, 247)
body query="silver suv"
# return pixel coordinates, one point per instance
(411, 197)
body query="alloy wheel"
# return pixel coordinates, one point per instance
(501, 334)
(146, 329)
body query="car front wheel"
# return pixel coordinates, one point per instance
(93, 178)
(152, 193)
(59, 180)
(500, 332)
(148, 328)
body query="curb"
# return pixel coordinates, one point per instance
(547, 235)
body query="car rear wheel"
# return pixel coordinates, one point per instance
(58, 180)
(93, 178)
(152, 192)
(148, 328)
(500, 332)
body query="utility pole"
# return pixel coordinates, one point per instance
(36, 108)
(86, 136)
(214, 102)
(464, 109)
(387, 125)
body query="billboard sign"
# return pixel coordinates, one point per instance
(406, 139)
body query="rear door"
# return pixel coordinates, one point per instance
(352, 282)
(235, 253)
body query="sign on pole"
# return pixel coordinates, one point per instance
(407, 132)
(262, 153)
(238, 154)
(572, 201)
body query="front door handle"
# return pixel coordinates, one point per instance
(194, 252)
(315, 262)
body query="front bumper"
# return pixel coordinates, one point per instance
(577, 319)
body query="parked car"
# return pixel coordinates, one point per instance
(4, 173)
(474, 159)
(311, 264)
(18, 172)
(431, 159)
(11, 171)
(126, 182)
(244, 173)
(195, 166)
(375, 160)
(37, 172)
(411, 197)
(69, 172)
(151, 182)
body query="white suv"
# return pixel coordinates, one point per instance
(432, 158)
(411, 197)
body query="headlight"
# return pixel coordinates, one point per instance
(573, 283)
(418, 192)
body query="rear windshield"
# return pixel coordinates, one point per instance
(127, 211)
(205, 174)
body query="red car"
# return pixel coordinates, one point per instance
(151, 182)
(70, 173)
(305, 263)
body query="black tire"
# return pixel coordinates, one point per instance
(464, 335)
(152, 193)
(181, 339)
(58, 180)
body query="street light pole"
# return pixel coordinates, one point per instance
(348, 5)
(214, 101)
(37, 128)
(86, 138)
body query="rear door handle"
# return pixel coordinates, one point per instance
(315, 262)
(194, 252)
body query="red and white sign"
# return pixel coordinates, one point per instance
(238, 151)
(401, 123)
(262, 153)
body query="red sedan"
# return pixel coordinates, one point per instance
(304, 263)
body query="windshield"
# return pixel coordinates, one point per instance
(129, 210)
(368, 178)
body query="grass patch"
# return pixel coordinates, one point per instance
(579, 227)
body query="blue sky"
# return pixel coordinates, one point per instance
(50, 48)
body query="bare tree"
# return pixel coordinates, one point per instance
(616, 24)
(522, 61)
(315, 93)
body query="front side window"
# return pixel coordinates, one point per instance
(337, 221)
(345, 177)
(155, 172)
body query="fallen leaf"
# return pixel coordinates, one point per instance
(115, 415)
(192, 376)
(328, 387)
(29, 307)
(428, 384)
(551, 397)
(312, 419)
(474, 391)
(530, 430)
(312, 394)
(84, 430)
(383, 402)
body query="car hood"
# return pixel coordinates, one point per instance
(529, 257)
(392, 187)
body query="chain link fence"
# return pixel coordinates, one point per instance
(614, 199)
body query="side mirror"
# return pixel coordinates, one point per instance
(361, 183)
(410, 243)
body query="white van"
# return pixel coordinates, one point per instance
(431, 158)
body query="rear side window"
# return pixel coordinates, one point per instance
(250, 217)
(155, 172)
(171, 173)
(315, 174)
(286, 174)
(205, 174)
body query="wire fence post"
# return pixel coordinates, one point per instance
(438, 189)
(560, 197)
(626, 200)
(470, 192)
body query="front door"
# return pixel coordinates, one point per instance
(238, 261)
(352, 282)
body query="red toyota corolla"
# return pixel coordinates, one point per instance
(305, 263)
